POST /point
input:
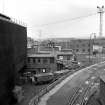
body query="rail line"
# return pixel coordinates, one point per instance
(91, 89)
(80, 92)
(85, 96)
(76, 94)
(90, 93)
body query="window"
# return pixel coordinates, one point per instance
(83, 50)
(38, 70)
(38, 60)
(68, 57)
(45, 60)
(77, 45)
(88, 45)
(43, 70)
(83, 45)
(88, 50)
(51, 60)
(61, 57)
(33, 60)
(77, 50)
(28, 59)
(79, 41)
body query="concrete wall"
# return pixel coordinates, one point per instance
(102, 91)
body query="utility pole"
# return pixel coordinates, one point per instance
(101, 12)
(89, 49)
(39, 41)
(91, 44)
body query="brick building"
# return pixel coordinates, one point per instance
(84, 46)
(41, 63)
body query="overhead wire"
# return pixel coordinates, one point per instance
(62, 21)
(65, 20)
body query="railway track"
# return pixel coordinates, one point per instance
(79, 92)
(90, 93)
(36, 98)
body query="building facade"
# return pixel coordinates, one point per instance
(13, 49)
(82, 46)
(41, 63)
(77, 45)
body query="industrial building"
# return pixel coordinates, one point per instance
(41, 63)
(13, 43)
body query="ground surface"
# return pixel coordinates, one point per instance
(61, 93)
(30, 90)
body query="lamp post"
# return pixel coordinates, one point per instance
(101, 11)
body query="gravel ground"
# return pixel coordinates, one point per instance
(94, 99)
(30, 90)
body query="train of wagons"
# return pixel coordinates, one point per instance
(13, 48)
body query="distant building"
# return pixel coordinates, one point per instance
(66, 50)
(97, 48)
(82, 46)
(77, 45)
(64, 43)
(49, 46)
(41, 63)
(65, 59)
(49, 49)
(31, 43)
(65, 56)
(100, 45)
(32, 50)
(32, 46)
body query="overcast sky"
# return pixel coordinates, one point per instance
(59, 15)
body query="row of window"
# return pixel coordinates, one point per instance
(41, 70)
(83, 50)
(83, 45)
(41, 60)
(67, 57)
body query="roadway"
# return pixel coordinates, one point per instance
(75, 89)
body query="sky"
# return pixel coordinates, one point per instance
(56, 18)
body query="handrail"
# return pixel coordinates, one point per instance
(13, 20)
